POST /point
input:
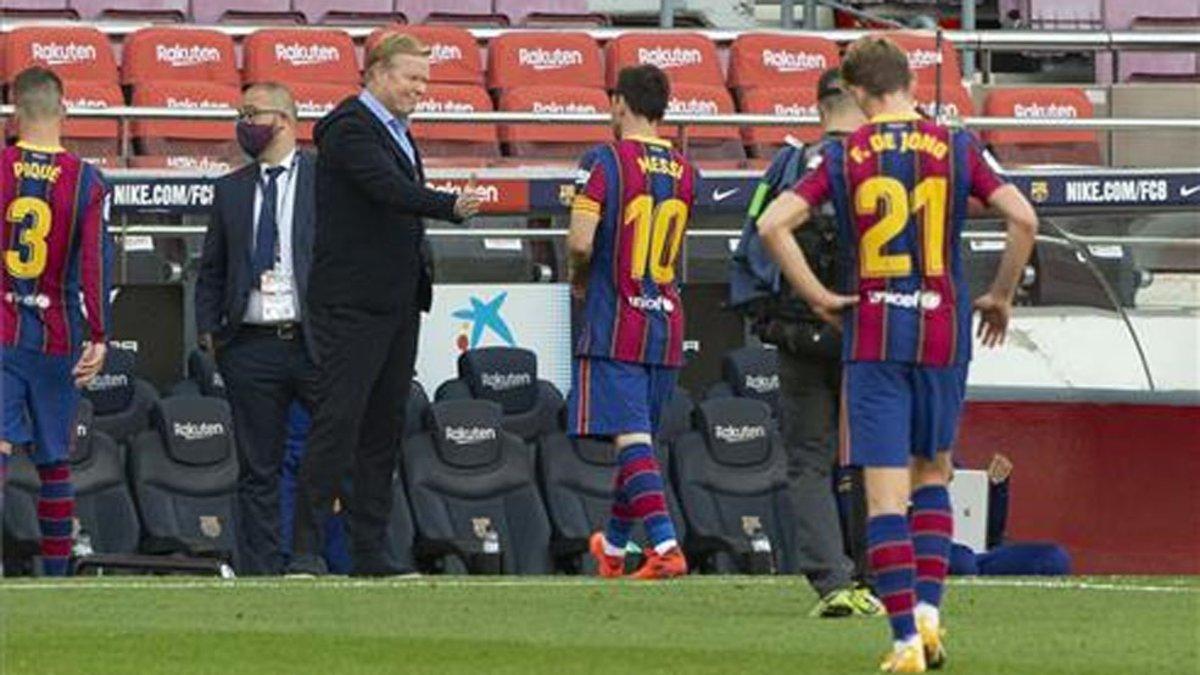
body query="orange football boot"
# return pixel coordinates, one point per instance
(607, 566)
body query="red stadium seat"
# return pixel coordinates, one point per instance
(179, 54)
(779, 60)
(241, 11)
(449, 140)
(300, 55)
(956, 100)
(556, 141)
(461, 12)
(795, 101)
(685, 57)
(182, 137)
(346, 11)
(77, 53)
(548, 13)
(160, 10)
(317, 97)
(454, 54)
(922, 57)
(37, 9)
(556, 58)
(1042, 146)
(704, 142)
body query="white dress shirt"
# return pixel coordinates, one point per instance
(285, 192)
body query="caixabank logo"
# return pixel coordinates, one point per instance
(481, 318)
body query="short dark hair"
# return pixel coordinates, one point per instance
(877, 65)
(37, 92)
(645, 90)
(832, 94)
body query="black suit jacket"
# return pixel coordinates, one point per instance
(370, 250)
(223, 287)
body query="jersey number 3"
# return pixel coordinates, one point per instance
(657, 234)
(31, 262)
(889, 195)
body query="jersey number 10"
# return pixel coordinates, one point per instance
(657, 235)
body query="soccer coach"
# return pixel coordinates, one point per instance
(369, 283)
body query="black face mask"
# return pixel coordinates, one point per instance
(254, 138)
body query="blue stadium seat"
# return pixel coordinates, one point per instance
(507, 376)
(749, 372)
(121, 401)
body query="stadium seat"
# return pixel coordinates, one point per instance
(685, 57)
(121, 402)
(779, 60)
(1042, 146)
(556, 141)
(155, 10)
(21, 532)
(75, 53)
(460, 12)
(731, 478)
(454, 55)
(345, 11)
(577, 477)
(676, 417)
(186, 137)
(240, 11)
(37, 9)
(179, 55)
(448, 140)
(103, 501)
(558, 58)
(203, 377)
(317, 97)
(547, 12)
(956, 100)
(749, 372)
(704, 142)
(922, 57)
(185, 474)
(299, 55)
(470, 481)
(402, 531)
(507, 376)
(92, 138)
(800, 101)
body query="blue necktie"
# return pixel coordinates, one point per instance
(268, 226)
(402, 137)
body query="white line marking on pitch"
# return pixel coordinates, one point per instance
(428, 581)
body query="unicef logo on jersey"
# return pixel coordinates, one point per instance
(926, 300)
(648, 304)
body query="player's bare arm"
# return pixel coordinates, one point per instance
(90, 363)
(787, 212)
(580, 236)
(995, 306)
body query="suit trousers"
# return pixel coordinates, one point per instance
(263, 375)
(365, 363)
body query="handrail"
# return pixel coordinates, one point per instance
(740, 119)
(993, 40)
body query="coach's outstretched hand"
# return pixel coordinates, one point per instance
(994, 312)
(468, 201)
(90, 363)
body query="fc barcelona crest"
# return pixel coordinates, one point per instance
(210, 526)
(1039, 191)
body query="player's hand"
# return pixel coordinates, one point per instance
(1000, 469)
(90, 363)
(830, 306)
(469, 200)
(205, 342)
(994, 313)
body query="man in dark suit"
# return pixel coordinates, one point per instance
(370, 282)
(250, 308)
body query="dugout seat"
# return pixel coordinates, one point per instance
(468, 478)
(721, 143)
(402, 531)
(795, 101)
(752, 373)
(21, 533)
(558, 58)
(922, 52)
(203, 377)
(186, 137)
(1042, 146)
(240, 11)
(731, 477)
(685, 57)
(159, 54)
(93, 139)
(317, 97)
(184, 473)
(553, 141)
(454, 55)
(289, 55)
(956, 101)
(121, 402)
(457, 141)
(118, 10)
(75, 53)
(776, 60)
(507, 376)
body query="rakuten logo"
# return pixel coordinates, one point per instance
(310, 105)
(657, 304)
(665, 57)
(948, 108)
(793, 62)
(307, 55)
(179, 56)
(693, 106)
(198, 431)
(192, 104)
(545, 59)
(107, 381)
(556, 108)
(201, 163)
(923, 58)
(742, 434)
(762, 384)
(1050, 111)
(430, 105)
(488, 193)
(56, 54)
(84, 103)
(440, 53)
(470, 435)
(795, 110)
(927, 300)
(506, 381)
(81, 431)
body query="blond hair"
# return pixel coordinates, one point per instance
(876, 64)
(392, 45)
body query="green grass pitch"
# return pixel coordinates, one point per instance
(571, 625)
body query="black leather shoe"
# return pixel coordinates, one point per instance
(306, 565)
